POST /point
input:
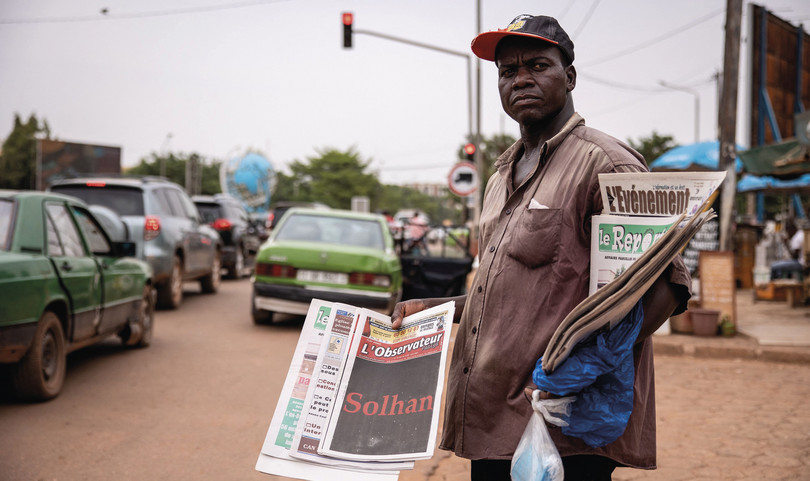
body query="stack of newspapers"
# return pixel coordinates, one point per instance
(648, 219)
(361, 400)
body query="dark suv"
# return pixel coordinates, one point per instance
(165, 226)
(239, 235)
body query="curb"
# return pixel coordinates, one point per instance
(737, 347)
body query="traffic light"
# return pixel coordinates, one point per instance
(469, 151)
(348, 19)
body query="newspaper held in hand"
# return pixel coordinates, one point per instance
(390, 395)
(317, 336)
(636, 194)
(323, 390)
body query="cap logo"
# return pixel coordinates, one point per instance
(516, 25)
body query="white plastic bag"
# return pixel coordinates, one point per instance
(536, 458)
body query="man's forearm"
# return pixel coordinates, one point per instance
(659, 303)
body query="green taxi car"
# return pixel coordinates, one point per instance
(333, 255)
(63, 285)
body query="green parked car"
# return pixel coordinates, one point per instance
(63, 285)
(333, 255)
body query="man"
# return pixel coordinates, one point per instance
(417, 228)
(535, 231)
(794, 241)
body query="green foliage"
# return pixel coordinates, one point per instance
(175, 167)
(19, 151)
(210, 178)
(653, 146)
(332, 178)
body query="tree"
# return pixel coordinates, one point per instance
(18, 157)
(175, 166)
(653, 146)
(333, 178)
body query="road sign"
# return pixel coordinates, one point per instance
(463, 179)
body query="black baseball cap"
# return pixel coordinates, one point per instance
(539, 27)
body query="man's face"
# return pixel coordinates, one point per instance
(532, 79)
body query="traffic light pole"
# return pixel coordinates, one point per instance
(438, 49)
(473, 136)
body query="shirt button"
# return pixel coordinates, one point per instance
(508, 211)
(480, 289)
(492, 249)
(474, 330)
(466, 370)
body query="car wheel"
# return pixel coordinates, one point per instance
(238, 267)
(260, 316)
(170, 294)
(210, 283)
(40, 374)
(140, 335)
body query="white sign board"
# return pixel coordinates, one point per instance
(463, 179)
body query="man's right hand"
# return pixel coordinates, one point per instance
(406, 308)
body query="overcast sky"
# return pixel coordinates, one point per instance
(218, 77)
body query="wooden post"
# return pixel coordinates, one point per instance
(728, 121)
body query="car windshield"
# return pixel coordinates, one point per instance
(123, 200)
(5, 223)
(332, 230)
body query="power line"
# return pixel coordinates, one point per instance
(658, 39)
(106, 15)
(639, 88)
(622, 86)
(585, 20)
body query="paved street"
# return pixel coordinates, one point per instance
(197, 404)
(718, 420)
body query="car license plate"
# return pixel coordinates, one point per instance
(322, 277)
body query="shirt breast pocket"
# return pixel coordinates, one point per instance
(536, 238)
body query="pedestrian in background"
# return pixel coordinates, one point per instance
(534, 259)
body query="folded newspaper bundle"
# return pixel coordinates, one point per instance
(643, 196)
(361, 400)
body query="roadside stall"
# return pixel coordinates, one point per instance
(702, 255)
(780, 170)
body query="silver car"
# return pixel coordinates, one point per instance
(164, 224)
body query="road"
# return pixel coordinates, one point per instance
(197, 404)
(194, 405)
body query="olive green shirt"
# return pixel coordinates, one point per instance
(533, 270)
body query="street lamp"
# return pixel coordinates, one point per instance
(697, 104)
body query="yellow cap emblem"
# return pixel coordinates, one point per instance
(516, 25)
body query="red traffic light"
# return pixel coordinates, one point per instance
(469, 149)
(348, 19)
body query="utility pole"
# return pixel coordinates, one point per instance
(728, 122)
(479, 159)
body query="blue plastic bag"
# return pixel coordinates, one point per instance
(536, 457)
(600, 371)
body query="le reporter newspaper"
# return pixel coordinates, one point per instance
(361, 400)
(648, 218)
